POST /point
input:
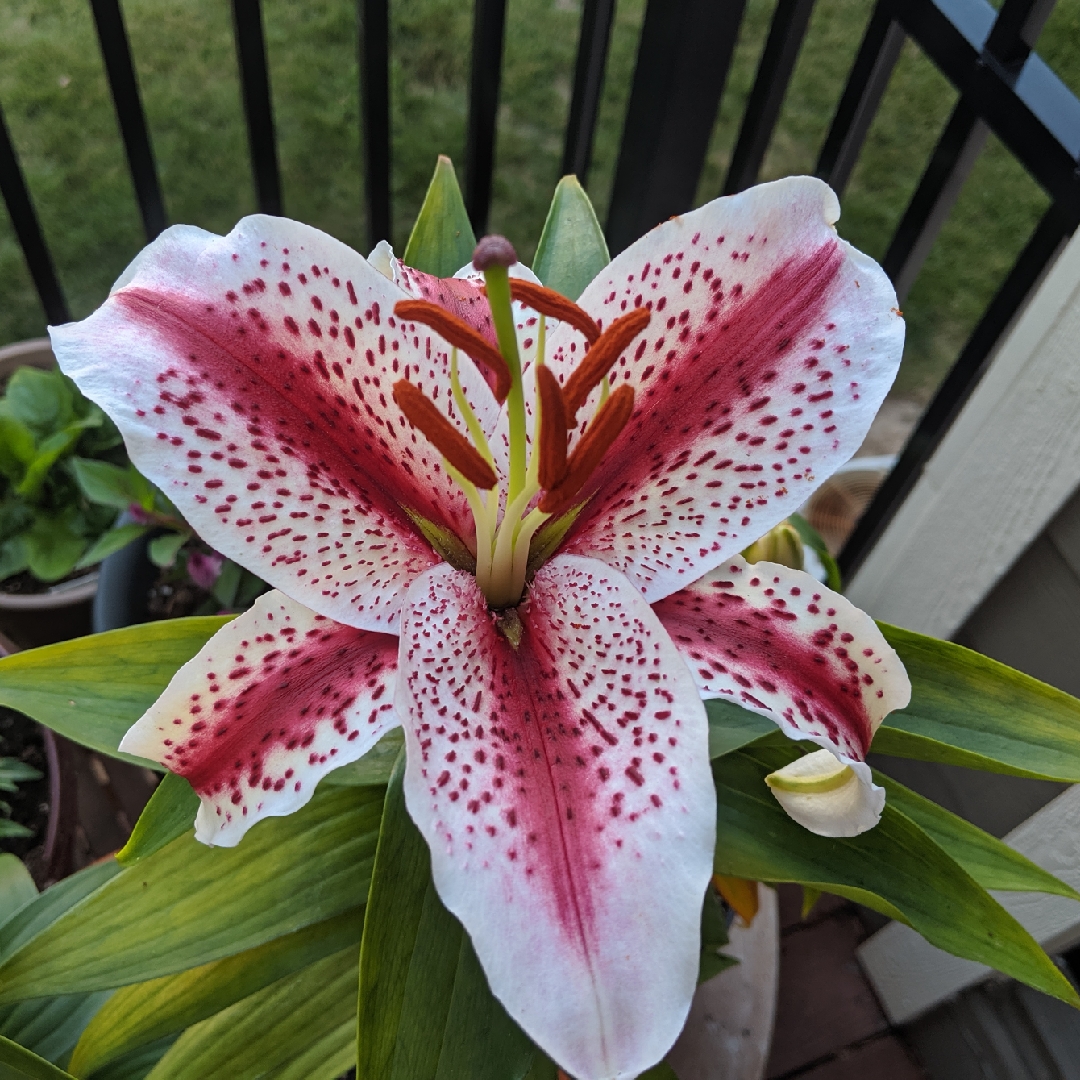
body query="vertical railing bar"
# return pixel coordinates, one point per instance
(116, 53)
(28, 231)
(594, 41)
(952, 160)
(258, 110)
(489, 24)
(778, 58)
(874, 63)
(374, 17)
(1010, 41)
(683, 61)
(1057, 224)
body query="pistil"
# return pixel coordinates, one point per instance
(504, 543)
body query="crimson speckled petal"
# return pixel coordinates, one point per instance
(771, 346)
(564, 789)
(776, 641)
(274, 701)
(251, 378)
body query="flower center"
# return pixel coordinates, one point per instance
(515, 530)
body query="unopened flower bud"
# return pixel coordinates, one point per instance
(494, 250)
(781, 544)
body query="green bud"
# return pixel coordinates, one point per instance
(781, 544)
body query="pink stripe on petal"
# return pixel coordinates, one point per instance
(274, 701)
(251, 377)
(771, 346)
(557, 783)
(777, 642)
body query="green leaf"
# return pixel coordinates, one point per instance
(662, 1071)
(19, 1064)
(50, 1027)
(108, 542)
(52, 548)
(14, 557)
(425, 1010)
(17, 887)
(12, 829)
(112, 485)
(93, 689)
(969, 710)
(43, 400)
(188, 904)
(895, 868)
(298, 1028)
(572, 249)
(164, 549)
(991, 863)
(142, 1014)
(169, 813)
(813, 540)
(224, 590)
(18, 447)
(442, 240)
(375, 767)
(48, 454)
(731, 726)
(34, 918)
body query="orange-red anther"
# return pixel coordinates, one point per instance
(458, 451)
(549, 302)
(462, 336)
(599, 359)
(552, 429)
(602, 431)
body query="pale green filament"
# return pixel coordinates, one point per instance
(502, 545)
(497, 280)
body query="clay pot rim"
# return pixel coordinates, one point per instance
(73, 592)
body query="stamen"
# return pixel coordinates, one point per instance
(602, 431)
(552, 429)
(549, 302)
(462, 336)
(599, 359)
(458, 451)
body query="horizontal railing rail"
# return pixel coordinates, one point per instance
(684, 56)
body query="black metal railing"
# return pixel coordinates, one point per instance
(683, 60)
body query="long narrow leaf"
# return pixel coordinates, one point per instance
(19, 1064)
(142, 1014)
(50, 1027)
(189, 904)
(425, 1010)
(895, 868)
(169, 813)
(92, 689)
(967, 709)
(991, 863)
(298, 1028)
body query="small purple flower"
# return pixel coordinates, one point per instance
(204, 569)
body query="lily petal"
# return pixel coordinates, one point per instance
(771, 346)
(828, 797)
(274, 701)
(250, 376)
(779, 643)
(564, 790)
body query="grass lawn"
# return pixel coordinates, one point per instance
(54, 94)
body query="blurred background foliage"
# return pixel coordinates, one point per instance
(55, 97)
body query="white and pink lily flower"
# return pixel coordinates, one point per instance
(514, 531)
